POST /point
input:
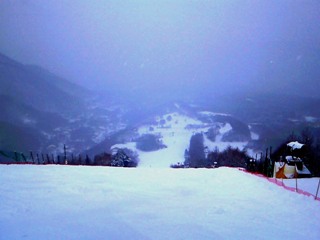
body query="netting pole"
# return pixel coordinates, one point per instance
(317, 190)
(32, 157)
(65, 154)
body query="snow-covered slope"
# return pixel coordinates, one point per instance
(175, 130)
(65, 202)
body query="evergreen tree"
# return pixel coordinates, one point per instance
(196, 151)
(121, 159)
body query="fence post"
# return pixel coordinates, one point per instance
(317, 190)
(32, 157)
(16, 156)
(24, 157)
(87, 160)
(65, 154)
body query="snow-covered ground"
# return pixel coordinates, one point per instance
(306, 184)
(69, 202)
(176, 130)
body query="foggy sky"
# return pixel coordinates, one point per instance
(161, 44)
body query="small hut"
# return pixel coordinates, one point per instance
(292, 166)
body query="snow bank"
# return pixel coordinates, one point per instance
(65, 202)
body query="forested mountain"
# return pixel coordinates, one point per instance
(39, 88)
(40, 110)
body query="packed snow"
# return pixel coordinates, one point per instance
(78, 202)
(306, 184)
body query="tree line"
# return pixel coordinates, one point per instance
(118, 158)
(198, 156)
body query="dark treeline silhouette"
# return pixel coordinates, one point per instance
(231, 157)
(309, 152)
(119, 158)
(149, 142)
(198, 156)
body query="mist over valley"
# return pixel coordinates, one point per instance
(104, 74)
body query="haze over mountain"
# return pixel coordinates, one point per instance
(42, 111)
(258, 61)
(37, 87)
(169, 49)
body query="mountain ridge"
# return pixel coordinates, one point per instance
(37, 87)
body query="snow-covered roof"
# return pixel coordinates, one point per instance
(295, 145)
(292, 159)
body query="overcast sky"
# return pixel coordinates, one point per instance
(161, 44)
